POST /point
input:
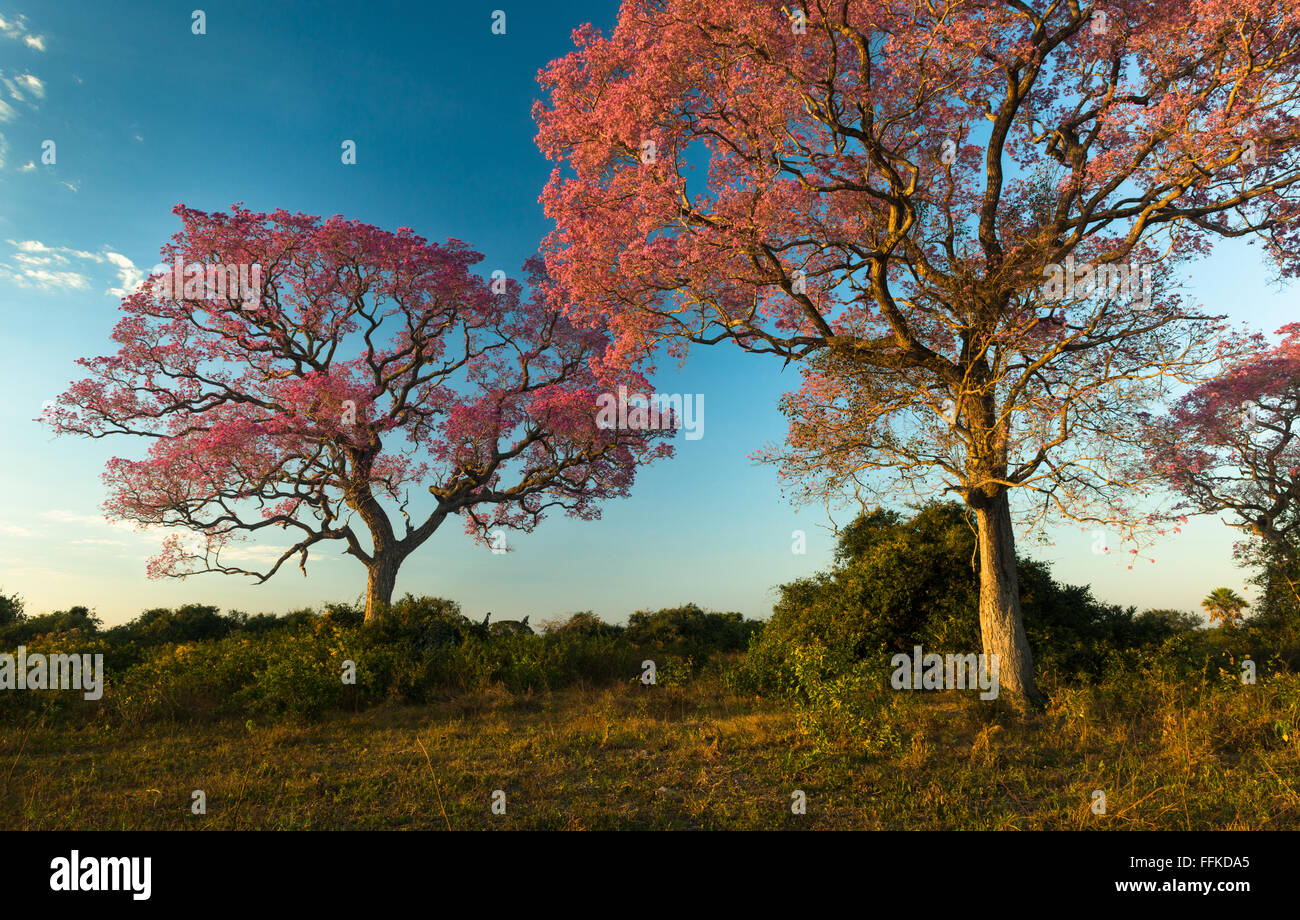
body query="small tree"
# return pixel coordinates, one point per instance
(358, 364)
(11, 609)
(1225, 606)
(1168, 619)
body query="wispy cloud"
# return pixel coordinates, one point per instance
(127, 274)
(34, 264)
(22, 85)
(16, 29)
(63, 516)
(45, 279)
(59, 252)
(252, 553)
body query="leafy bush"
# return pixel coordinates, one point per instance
(160, 626)
(586, 623)
(897, 583)
(11, 609)
(691, 630)
(23, 629)
(194, 662)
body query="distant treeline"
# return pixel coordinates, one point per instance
(194, 661)
(896, 582)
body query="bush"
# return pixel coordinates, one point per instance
(195, 663)
(691, 630)
(11, 610)
(24, 629)
(190, 623)
(586, 623)
(897, 583)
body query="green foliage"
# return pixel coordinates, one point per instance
(11, 609)
(421, 624)
(691, 630)
(190, 623)
(1168, 620)
(194, 662)
(1225, 606)
(586, 623)
(288, 672)
(897, 583)
(1276, 572)
(76, 620)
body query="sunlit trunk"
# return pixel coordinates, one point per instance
(381, 578)
(1002, 631)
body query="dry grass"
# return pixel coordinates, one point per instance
(670, 757)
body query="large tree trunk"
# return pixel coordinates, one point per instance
(1001, 628)
(381, 578)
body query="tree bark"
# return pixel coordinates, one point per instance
(1002, 631)
(381, 578)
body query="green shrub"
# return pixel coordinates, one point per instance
(195, 663)
(691, 630)
(23, 629)
(11, 609)
(897, 583)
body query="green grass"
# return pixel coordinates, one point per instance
(1167, 755)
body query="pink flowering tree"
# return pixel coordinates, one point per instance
(341, 367)
(962, 218)
(1232, 446)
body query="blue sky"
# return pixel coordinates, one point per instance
(144, 114)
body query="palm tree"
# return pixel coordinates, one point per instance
(1226, 605)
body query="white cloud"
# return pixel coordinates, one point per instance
(20, 86)
(72, 517)
(127, 274)
(34, 264)
(61, 516)
(60, 253)
(46, 280)
(17, 29)
(14, 530)
(32, 84)
(252, 553)
(29, 166)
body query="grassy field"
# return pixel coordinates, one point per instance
(1166, 756)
